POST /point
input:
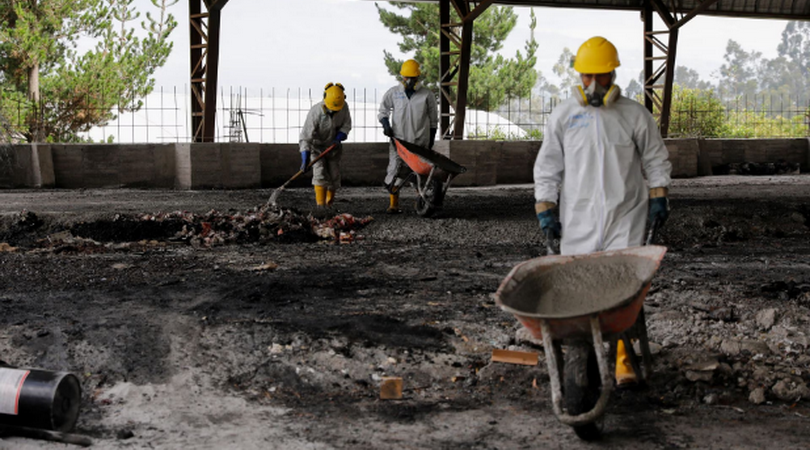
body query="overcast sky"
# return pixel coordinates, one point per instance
(306, 43)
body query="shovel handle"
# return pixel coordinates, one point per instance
(551, 247)
(274, 196)
(312, 163)
(653, 232)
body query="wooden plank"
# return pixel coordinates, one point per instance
(391, 388)
(514, 357)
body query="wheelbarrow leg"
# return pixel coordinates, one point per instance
(556, 346)
(553, 364)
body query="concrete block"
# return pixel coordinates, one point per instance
(206, 170)
(479, 157)
(15, 164)
(198, 166)
(137, 168)
(278, 163)
(364, 164)
(516, 162)
(42, 165)
(101, 165)
(683, 155)
(704, 164)
(713, 148)
(67, 166)
(806, 163)
(165, 166)
(733, 151)
(182, 160)
(240, 165)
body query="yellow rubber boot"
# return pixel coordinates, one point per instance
(624, 370)
(320, 195)
(393, 207)
(330, 197)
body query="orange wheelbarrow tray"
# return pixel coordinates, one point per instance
(425, 162)
(581, 297)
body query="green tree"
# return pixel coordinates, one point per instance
(795, 45)
(690, 79)
(634, 91)
(51, 89)
(695, 113)
(738, 75)
(564, 68)
(493, 78)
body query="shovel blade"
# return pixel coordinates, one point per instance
(274, 197)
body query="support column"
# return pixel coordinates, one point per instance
(204, 51)
(454, 129)
(652, 98)
(446, 72)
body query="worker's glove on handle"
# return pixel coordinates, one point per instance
(305, 160)
(432, 138)
(340, 137)
(387, 130)
(549, 224)
(659, 210)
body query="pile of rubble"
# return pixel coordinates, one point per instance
(752, 168)
(761, 353)
(259, 224)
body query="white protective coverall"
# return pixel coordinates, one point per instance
(411, 119)
(317, 134)
(594, 156)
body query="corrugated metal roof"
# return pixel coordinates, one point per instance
(767, 9)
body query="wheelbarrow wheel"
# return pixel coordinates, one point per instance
(582, 386)
(434, 193)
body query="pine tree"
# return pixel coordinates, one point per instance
(53, 91)
(493, 78)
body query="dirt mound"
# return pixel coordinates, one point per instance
(255, 225)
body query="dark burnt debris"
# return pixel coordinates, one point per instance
(257, 225)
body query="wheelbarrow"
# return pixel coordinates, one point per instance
(583, 301)
(433, 172)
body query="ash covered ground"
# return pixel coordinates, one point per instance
(241, 336)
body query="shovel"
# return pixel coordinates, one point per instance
(277, 192)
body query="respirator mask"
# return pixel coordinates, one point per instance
(597, 95)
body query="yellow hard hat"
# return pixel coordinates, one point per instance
(596, 55)
(410, 69)
(333, 96)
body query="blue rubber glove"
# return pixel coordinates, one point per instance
(305, 160)
(659, 210)
(549, 224)
(340, 136)
(432, 138)
(387, 130)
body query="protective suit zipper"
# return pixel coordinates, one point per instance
(601, 242)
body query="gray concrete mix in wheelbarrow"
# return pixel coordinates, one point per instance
(282, 343)
(580, 287)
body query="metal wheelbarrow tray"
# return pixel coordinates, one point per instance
(582, 298)
(438, 169)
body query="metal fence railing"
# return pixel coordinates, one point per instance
(276, 116)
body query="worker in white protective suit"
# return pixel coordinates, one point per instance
(597, 147)
(328, 123)
(408, 112)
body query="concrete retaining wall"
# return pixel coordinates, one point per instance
(108, 165)
(361, 164)
(26, 166)
(238, 166)
(217, 165)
